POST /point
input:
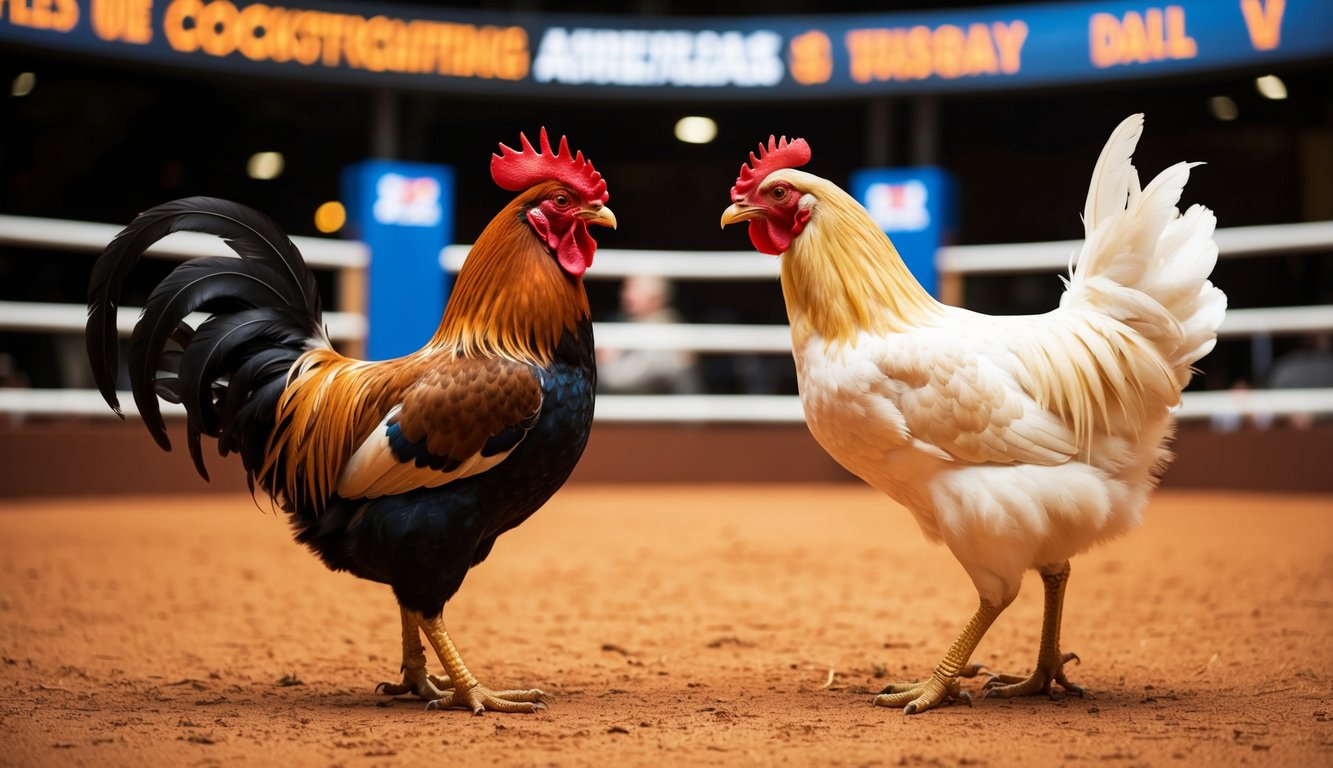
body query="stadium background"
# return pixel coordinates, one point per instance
(709, 592)
(101, 137)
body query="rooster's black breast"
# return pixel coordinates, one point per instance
(423, 543)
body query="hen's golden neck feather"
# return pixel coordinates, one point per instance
(842, 276)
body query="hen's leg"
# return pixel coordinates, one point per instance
(415, 677)
(1050, 661)
(943, 682)
(467, 693)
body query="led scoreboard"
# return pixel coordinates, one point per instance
(725, 58)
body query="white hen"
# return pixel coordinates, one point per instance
(1017, 441)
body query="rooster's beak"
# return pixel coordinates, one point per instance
(600, 215)
(740, 212)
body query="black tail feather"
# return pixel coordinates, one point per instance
(249, 233)
(220, 285)
(196, 450)
(270, 277)
(238, 346)
(260, 379)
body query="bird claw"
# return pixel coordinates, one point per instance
(921, 696)
(999, 686)
(479, 699)
(418, 682)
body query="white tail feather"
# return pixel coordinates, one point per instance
(1144, 263)
(1113, 174)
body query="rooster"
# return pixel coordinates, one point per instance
(400, 471)
(1019, 441)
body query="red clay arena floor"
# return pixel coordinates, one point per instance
(673, 625)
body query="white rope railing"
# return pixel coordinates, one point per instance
(715, 338)
(348, 257)
(1255, 402)
(84, 236)
(40, 317)
(701, 337)
(692, 265)
(760, 409)
(705, 338)
(1232, 242)
(1277, 320)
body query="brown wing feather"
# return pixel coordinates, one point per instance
(458, 408)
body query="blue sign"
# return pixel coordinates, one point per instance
(916, 208)
(402, 46)
(404, 213)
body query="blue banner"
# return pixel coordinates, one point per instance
(389, 45)
(404, 212)
(916, 207)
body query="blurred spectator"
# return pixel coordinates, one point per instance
(647, 299)
(12, 378)
(1240, 415)
(10, 375)
(1306, 368)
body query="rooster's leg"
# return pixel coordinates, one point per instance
(467, 693)
(415, 677)
(943, 683)
(1050, 661)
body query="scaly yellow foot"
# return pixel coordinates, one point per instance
(943, 683)
(478, 699)
(416, 680)
(1050, 661)
(922, 695)
(467, 693)
(1008, 686)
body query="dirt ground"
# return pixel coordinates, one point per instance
(699, 625)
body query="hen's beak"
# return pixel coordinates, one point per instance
(740, 212)
(601, 215)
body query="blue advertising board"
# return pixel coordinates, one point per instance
(631, 56)
(403, 212)
(916, 207)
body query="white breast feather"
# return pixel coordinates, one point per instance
(373, 470)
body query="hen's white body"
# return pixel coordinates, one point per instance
(1016, 441)
(937, 419)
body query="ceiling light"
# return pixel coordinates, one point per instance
(23, 84)
(1271, 87)
(330, 217)
(264, 165)
(1223, 108)
(696, 130)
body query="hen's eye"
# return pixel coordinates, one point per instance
(779, 193)
(562, 200)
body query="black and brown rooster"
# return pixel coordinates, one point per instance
(400, 471)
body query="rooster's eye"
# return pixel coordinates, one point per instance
(779, 193)
(562, 200)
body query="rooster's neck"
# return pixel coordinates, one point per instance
(511, 298)
(843, 277)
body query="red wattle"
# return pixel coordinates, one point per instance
(573, 248)
(768, 237)
(576, 249)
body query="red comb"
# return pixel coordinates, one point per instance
(779, 154)
(517, 170)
